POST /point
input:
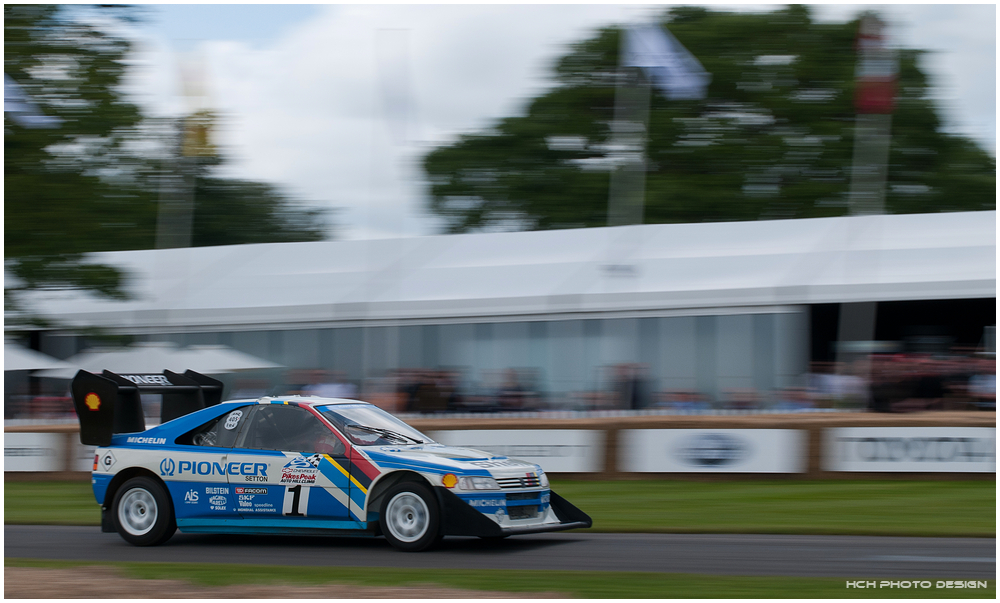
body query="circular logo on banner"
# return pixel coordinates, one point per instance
(712, 450)
(233, 419)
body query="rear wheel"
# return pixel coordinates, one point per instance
(409, 517)
(142, 512)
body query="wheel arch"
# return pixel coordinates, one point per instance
(388, 480)
(126, 474)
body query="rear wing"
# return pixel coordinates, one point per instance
(109, 403)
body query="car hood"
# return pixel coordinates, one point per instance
(448, 456)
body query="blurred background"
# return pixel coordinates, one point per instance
(470, 209)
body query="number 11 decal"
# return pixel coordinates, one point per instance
(296, 498)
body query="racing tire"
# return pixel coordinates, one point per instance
(142, 512)
(410, 518)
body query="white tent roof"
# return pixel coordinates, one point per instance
(155, 356)
(630, 268)
(17, 358)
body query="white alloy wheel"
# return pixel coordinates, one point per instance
(407, 517)
(137, 512)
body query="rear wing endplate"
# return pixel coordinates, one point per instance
(109, 403)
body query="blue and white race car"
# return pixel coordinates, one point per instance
(294, 465)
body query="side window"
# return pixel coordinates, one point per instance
(288, 428)
(219, 432)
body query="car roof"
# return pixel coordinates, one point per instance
(302, 400)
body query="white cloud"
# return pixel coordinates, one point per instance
(307, 110)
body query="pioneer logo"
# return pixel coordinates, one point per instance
(148, 379)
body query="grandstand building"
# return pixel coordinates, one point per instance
(702, 307)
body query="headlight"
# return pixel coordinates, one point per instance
(544, 480)
(478, 483)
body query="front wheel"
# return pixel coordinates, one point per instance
(142, 512)
(409, 517)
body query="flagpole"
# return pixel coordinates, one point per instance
(647, 55)
(874, 100)
(627, 186)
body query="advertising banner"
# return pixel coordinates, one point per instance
(934, 449)
(556, 450)
(712, 451)
(83, 456)
(34, 452)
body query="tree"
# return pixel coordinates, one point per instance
(773, 139)
(57, 206)
(92, 184)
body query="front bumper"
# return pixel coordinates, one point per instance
(460, 519)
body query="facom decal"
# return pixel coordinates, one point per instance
(93, 401)
(142, 440)
(251, 490)
(191, 497)
(233, 419)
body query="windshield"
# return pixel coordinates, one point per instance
(367, 425)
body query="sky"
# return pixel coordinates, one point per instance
(336, 104)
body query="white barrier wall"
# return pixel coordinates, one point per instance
(556, 450)
(45, 452)
(907, 449)
(844, 449)
(712, 451)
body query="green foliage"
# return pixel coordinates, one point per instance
(86, 186)
(57, 206)
(773, 139)
(236, 212)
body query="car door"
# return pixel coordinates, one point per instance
(196, 473)
(288, 463)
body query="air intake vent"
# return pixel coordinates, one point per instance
(528, 481)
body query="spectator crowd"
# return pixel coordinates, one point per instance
(879, 383)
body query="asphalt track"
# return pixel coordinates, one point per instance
(851, 557)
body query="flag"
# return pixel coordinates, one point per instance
(878, 67)
(22, 110)
(670, 67)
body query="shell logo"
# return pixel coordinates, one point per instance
(93, 401)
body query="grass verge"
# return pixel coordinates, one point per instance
(860, 507)
(890, 508)
(572, 584)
